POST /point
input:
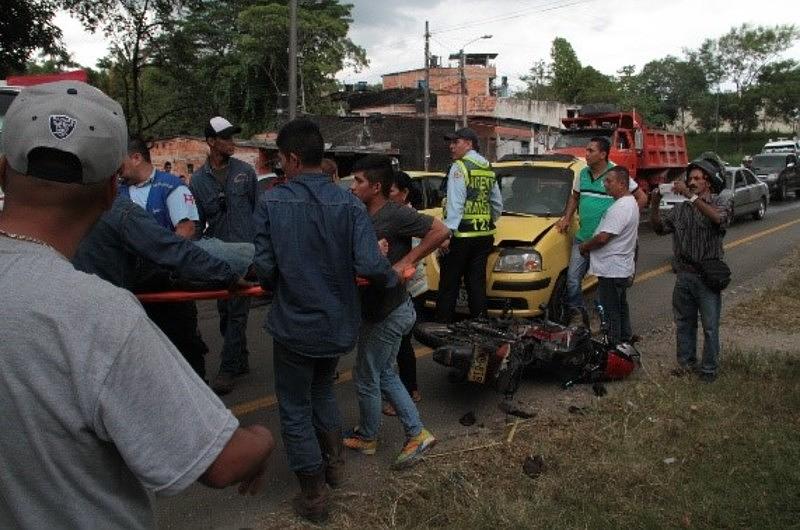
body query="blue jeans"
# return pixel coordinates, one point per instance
(612, 293)
(690, 297)
(238, 256)
(578, 267)
(233, 328)
(378, 344)
(304, 388)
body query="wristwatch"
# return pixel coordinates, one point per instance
(693, 198)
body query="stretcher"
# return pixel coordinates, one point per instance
(224, 294)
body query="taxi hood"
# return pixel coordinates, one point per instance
(517, 231)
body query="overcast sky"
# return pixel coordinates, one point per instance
(607, 34)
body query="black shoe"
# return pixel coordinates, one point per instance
(708, 377)
(222, 384)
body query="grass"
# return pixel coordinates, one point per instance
(734, 444)
(658, 452)
(778, 307)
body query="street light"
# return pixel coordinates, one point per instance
(464, 78)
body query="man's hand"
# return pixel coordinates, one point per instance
(240, 284)
(680, 187)
(655, 197)
(383, 246)
(582, 249)
(400, 270)
(562, 225)
(255, 482)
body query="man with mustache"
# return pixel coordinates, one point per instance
(697, 226)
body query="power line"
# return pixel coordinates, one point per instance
(532, 11)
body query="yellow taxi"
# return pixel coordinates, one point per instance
(528, 266)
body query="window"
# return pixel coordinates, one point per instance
(749, 177)
(740, 181)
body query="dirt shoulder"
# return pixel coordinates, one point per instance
(656, 451)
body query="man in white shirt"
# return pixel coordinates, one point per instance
(611, 253)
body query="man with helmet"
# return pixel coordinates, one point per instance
(697, 226)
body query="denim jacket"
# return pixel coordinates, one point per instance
(228, 209)
(312, 239)
(127, 235)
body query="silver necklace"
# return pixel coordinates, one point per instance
(22, 237)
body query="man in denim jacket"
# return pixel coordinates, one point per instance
(225, 190)
(313, 238)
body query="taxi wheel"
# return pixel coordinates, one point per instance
(557, 307)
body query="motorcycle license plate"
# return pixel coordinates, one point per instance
(480, 364)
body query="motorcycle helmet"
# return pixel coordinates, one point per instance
(710, 164)
(619, 361)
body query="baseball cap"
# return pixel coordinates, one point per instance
(466, 133)
(73, 118)
(219, 126)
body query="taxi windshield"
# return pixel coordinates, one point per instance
(540, 191)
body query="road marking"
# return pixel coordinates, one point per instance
(268, 401)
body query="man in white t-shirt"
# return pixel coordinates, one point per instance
(611, 253)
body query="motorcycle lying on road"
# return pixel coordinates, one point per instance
(497, 351)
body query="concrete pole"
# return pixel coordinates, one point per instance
(463, 89)
(427, 99)
(292, 59)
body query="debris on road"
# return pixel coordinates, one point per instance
(533, 466)
(467, 419)
(516, 409)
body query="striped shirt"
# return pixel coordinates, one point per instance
(695, 237)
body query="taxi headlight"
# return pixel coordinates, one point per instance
(518, 260)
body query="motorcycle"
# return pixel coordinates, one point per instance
(496, 351)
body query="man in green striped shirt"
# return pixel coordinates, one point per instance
(590, 199)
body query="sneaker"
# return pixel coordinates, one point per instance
(416, 397)
(388, 409)
(414, 450)
(354, 440)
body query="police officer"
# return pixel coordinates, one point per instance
(473, 205)
(225, 189)
(171, 203)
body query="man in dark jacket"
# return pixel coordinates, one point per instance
(312, 239)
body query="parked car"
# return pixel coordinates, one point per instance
(779, 171)
(528, 265)
(427, 187)
(750, 196)
(782, 145)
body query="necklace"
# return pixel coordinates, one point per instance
(22, 237)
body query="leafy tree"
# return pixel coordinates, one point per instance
(131, 26)
(566, 70)
(26, 26)
(537, 83)
(780, 89)
(739, 58)
(673, 85)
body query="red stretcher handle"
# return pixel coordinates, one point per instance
(224, 294)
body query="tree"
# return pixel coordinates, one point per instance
(740, 57)
(537, 83)
(780, 89)
(27, 26)
(131, 26)
(671, 85)
(566, 70)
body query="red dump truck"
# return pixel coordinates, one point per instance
(652, 156)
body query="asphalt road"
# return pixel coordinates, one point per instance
(751, 247)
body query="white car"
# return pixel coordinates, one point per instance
(750, 195)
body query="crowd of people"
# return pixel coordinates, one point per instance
(108, 397)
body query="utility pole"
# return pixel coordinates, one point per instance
(463, 88)
(292, 59)
(426, 99)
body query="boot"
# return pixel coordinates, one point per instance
(312, 501)
(333, 455)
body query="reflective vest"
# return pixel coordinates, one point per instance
(479, 180)
(161, 186)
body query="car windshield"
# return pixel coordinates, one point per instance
(541, 191)
(769, 161)
(577, 138)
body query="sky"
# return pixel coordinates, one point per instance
(607, 34)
